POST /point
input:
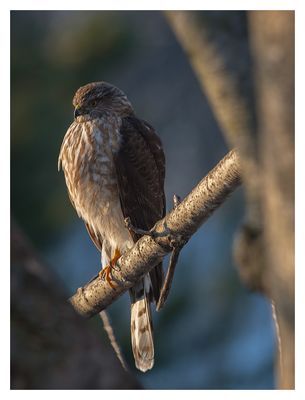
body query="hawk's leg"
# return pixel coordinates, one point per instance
(136, 230)
(152, 233)
(115, 258)
(105, 273)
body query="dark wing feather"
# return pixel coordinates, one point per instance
(140, 168)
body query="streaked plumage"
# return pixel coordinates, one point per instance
(114, 168)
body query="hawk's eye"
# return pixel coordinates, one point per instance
(94, 103)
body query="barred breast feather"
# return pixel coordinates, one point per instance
(86, 158)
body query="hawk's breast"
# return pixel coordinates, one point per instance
(87, 161)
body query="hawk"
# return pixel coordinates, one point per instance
(114, 168)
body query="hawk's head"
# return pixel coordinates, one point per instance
(97, 98)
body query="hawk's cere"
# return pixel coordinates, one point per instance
(114, 168)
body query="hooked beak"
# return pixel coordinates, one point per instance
(77, 112)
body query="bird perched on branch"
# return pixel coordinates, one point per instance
(114, 168)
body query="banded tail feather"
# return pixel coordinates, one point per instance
(141, 325)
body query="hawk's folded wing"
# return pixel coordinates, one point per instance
(140, 168)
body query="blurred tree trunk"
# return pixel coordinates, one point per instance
(263, 132)
(51, 346)
(272, 34)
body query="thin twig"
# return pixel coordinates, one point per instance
(169, 278)
(108, 328)
(278, 335)
(176, 200)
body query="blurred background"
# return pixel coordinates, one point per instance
(212, 333)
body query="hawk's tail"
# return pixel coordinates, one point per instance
(141, 325)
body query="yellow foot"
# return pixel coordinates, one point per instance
(105, 273)
(115, 258)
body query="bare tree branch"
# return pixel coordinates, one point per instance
(178, 226)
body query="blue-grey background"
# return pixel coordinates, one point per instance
(212, 333)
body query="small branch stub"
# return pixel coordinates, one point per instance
(177, 247)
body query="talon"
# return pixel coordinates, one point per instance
(108, 276)
(105, 273)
